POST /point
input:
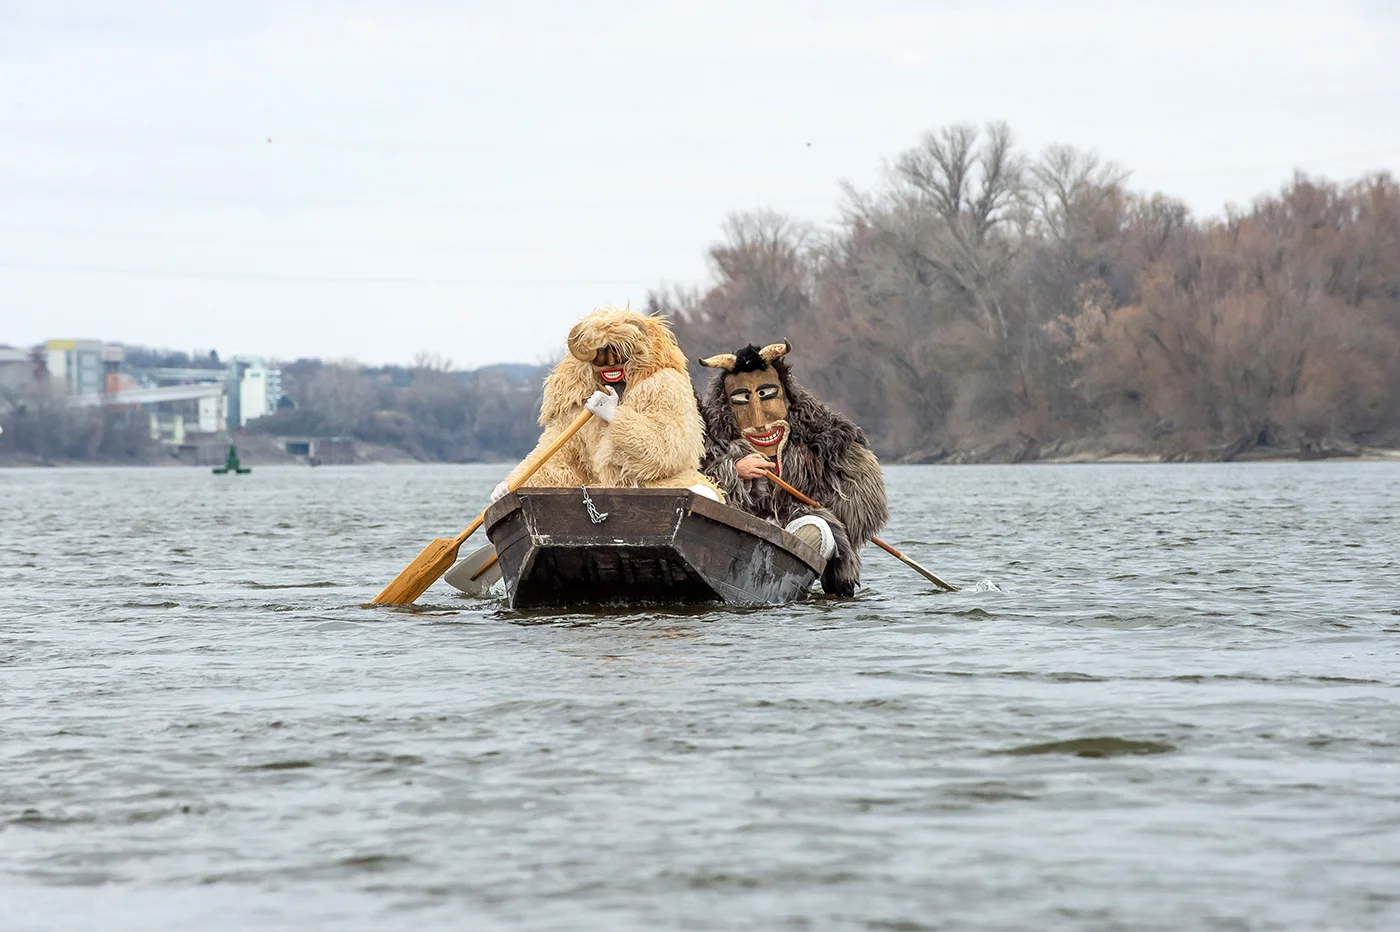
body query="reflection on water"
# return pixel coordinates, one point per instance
(1167, 699)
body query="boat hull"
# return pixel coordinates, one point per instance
(654, 546)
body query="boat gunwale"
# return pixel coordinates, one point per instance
(700, 505)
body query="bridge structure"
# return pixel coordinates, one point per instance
(156, 395)
(177, 401)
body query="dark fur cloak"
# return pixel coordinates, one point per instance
(826, 458)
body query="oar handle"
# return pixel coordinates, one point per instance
(532, 467)
(791, 491)
(471, 529)
(887, 548)
(874, 540)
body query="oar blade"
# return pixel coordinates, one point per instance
(437, 558)
(477, 571)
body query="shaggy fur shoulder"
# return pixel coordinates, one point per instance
(565, 391)
(656, 433)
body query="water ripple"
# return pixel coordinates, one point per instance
(1166, 697)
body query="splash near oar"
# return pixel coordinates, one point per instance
(874, 540)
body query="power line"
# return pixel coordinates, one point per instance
(602, 207)
(316, 279)
(437, 243)
(270, 140)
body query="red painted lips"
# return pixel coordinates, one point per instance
(769, 438)
(612, 375)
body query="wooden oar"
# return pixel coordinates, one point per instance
(874, 540)
(437, 558)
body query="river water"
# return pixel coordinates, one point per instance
(1169, 699)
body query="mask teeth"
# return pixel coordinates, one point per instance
(764, 439)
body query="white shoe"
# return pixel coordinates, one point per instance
(815, 533)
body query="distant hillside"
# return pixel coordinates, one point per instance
(519, 371)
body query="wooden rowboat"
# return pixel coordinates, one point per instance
(563, 548)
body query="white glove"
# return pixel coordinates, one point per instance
(500, 490)
(603, 404)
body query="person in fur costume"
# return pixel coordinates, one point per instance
(758, 419)
(646, 432)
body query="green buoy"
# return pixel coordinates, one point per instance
(231, 464)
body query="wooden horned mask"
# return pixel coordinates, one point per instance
(757, 395)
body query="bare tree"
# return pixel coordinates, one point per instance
(976, 299)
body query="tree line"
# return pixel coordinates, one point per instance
(985, 304)
(980, 303)
(428, 409)
(41, 425)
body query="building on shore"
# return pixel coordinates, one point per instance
(182, 405)
(257, 390)
(80, 367)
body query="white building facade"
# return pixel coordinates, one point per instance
(259, 388)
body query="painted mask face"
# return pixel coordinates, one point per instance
(756, 396)
(609, 367)
(760, 407)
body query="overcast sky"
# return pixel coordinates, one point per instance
(377, 178)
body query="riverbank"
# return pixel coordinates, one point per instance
(374, 455)
(253, 450)
(1025, 450)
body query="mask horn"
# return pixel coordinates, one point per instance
(721, 361)
(577, 347)
(775, 350)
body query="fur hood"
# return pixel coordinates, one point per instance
(646, 339)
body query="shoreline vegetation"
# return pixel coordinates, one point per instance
(980, 304)
(252, 454)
